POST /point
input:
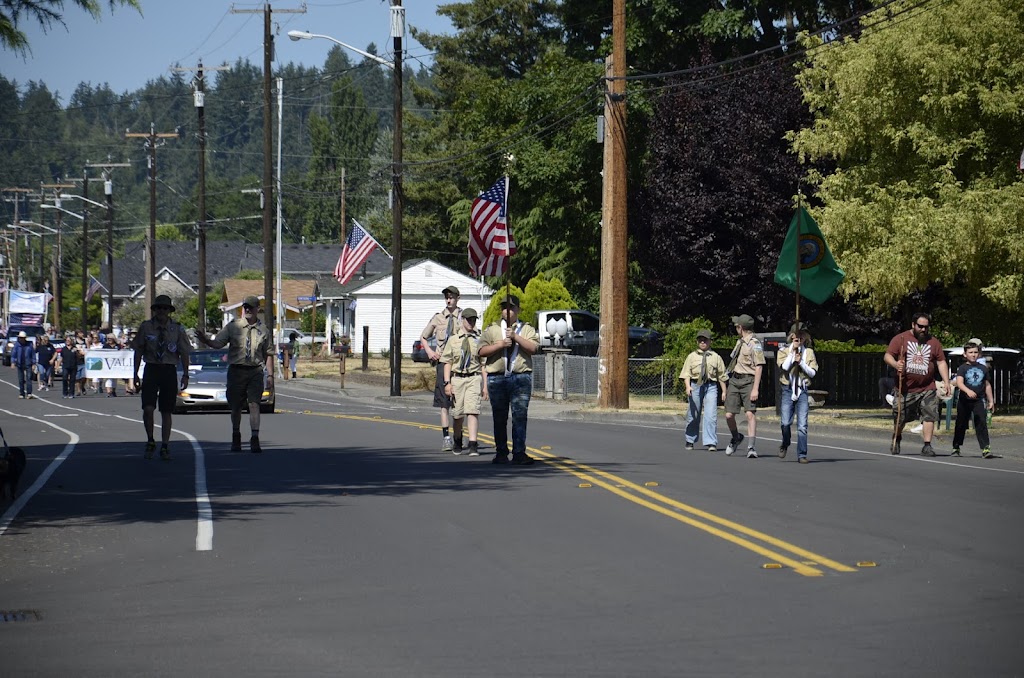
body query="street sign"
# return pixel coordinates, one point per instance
(306, 298)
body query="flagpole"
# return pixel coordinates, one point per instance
(508, 272)
(799, 224)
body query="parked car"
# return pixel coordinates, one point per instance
(33, 331)
(207, 387)
(419, 352)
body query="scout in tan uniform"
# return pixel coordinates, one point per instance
(797, 366)
(462, 380)
(440, 327)
(508, 362)
(164, 345)
(704, 376)
(744, 379)
(250, 352)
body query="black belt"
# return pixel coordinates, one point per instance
(246, 367)
(466, 374)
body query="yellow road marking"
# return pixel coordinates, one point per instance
(619, 486)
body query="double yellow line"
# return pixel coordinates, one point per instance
(800, 560)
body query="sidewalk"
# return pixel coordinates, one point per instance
(875, 428)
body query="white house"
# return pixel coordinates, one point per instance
(422, 282)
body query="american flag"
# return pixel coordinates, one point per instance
(490, 243)
(94, 287)
(358, 247)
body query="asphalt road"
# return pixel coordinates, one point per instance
(354, 547)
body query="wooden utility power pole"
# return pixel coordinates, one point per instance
(613, 366)
(199, 99)
(57, 255)
(108, 193)
(151, 143)
(397, 32)
(268, 150)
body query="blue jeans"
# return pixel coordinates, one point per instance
(513, 390)
(704, 399)
(787, 406)
(25, 379)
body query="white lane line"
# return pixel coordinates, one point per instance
(60, 415)
(204, 530)
(12, 511)
(204, 511)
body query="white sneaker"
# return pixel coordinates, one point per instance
(733, 444)
(918, 428)
(448, 445)
(889, 399)
(751, 453)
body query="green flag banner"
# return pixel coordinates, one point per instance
(819, 273)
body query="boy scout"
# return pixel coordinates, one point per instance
(442, 325)
(704, 376)
(745, 369)
(164, 345)
(508, 361)
(462, 380)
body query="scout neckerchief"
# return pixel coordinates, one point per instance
(248, 340)
(511, 360)
(703, 368)
(467, 352)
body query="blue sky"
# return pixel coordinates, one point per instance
(125, 49)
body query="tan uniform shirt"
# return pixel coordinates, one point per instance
(161, 345)
(714, 367)
(748, 355)
(463, 353)
(495, 363)
(441, 325)
(247, 344)
(808, 359)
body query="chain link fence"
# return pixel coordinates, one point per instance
(653, 378)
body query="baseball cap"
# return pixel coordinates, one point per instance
(451, 289)
(744, 321)
(977, 342)
(510, 301)
(470, 314)
(704, 334)
(22, 335)
(251, 300)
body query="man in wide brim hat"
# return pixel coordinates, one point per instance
(163, 301)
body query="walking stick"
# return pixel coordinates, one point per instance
(894, 449)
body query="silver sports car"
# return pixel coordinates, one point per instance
(207, 384)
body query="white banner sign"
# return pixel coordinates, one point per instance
(27, 302)
(107, 364)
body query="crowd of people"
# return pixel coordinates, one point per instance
(62, 357)
(916, 357)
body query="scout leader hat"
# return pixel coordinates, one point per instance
(470, 314)
(744, 321)
(451, 289)
(163, 300)
(252, 301)
(511, 301)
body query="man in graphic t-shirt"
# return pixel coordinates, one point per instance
(915, 355)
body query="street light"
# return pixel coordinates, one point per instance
(305, 35)
(397, 32)
(69, 196)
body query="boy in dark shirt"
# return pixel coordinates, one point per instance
(68, 357)
(975, 384)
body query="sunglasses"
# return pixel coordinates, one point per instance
(162, 307)
(702, 340)
(247, 307)
(921, 327)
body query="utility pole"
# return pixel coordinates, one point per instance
(397, 33)
(268, 145)
(613, 365)
(151, 143)
(108, 192)
(19, 195)
(199, 99)
(85, 249)
(57, 256)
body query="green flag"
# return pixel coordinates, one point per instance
(819, 273)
